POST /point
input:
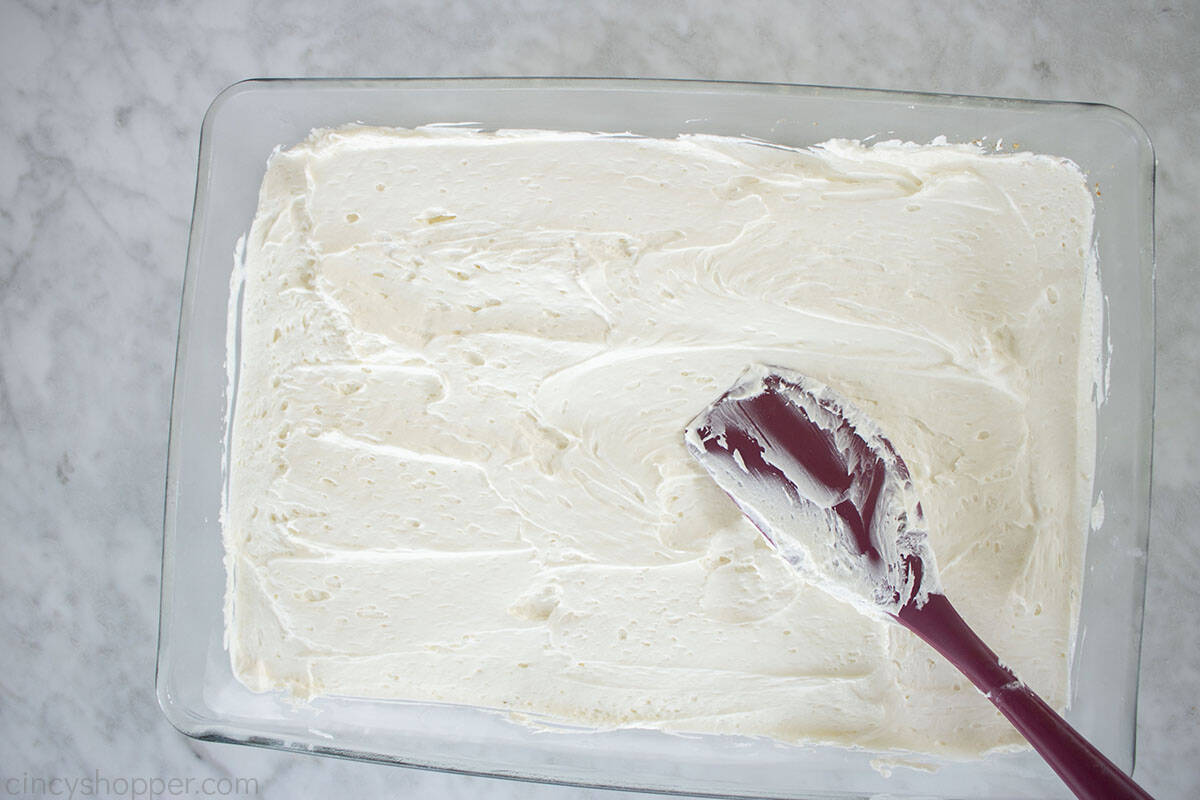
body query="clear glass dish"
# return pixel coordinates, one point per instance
(195, 685)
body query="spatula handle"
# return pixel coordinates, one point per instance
(1082, 767)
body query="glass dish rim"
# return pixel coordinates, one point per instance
(1146, 185)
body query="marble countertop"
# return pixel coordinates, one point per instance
(100, 110)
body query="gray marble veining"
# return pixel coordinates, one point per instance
(100, 109)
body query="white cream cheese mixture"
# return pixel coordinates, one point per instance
(457, 466)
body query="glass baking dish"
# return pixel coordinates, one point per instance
(195, 685)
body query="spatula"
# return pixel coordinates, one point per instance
(835, 499)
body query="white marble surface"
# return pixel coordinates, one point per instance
(100, 109)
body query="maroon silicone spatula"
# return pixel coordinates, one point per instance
(833, 496)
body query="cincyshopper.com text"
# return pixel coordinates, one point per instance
(100, 785)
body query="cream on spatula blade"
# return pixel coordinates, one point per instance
(835, 499)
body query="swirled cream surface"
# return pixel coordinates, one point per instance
(466, 360)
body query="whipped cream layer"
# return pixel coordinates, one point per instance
(466, 360)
